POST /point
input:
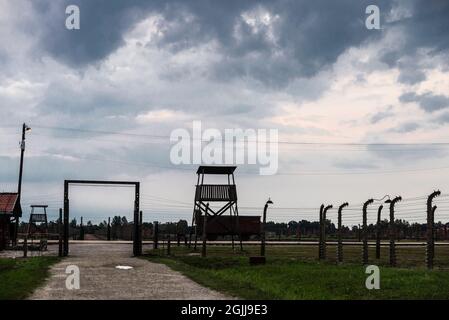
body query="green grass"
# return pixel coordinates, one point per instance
(19, 277)
(293, 273)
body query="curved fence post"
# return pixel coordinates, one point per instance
(430, 249)
(320, 241)
(392, 231)
(365, 231)
(323, 232)
(340, 240)
(379, 219)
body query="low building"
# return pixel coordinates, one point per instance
(10, 212)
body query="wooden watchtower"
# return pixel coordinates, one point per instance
(38, 225)
(223, 194)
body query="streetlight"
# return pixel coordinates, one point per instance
(262, 247)
(25, 128)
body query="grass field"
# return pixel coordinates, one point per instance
(292, 272)
(19, 277)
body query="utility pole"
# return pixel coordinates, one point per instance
(25, 128)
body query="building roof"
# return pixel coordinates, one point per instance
(216, 169)
(8, 202)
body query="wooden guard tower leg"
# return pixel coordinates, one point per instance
(203, 250)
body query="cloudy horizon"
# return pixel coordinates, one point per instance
(360, 113)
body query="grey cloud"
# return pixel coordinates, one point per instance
(307, 35)
(404, 154)
(382, 115)
(102, 25)
(443, 119)
(428, 101)
(426, 28)
(411, 76)
(355, 164)
(406, 127)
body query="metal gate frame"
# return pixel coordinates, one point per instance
(137, 238)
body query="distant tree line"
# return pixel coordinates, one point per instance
(122, 229)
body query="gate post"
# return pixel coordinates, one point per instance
(66, 218)
(430, 249)
(60, 226)
(109, 229)
(140, 231)
(137, 246)
(155, 234)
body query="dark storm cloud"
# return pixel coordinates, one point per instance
(307, 36)
(428, 102)
(425, 28)
(102, 26)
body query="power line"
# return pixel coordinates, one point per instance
(279, 142)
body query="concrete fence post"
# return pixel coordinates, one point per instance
(340, 234)
(323, 233)
(365, 231)
(378, 225)
(392, 231)
(430, 248)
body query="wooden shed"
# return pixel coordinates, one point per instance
(10, 211)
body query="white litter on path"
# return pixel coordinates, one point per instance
(123, 267)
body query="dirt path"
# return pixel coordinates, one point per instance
(100, 279)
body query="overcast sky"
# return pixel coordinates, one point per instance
(311, 69)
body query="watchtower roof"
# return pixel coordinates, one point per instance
(39, 206)
(216, 169)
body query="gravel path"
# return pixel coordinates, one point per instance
(100, 279)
